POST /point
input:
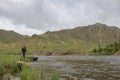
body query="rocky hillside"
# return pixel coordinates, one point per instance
(80, 40)
(97, 33)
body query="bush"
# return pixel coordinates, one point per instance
(108, 50)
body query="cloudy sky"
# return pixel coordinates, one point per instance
(38, 16)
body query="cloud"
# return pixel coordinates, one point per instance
(44, 15)
(20, 28)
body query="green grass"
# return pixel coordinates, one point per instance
(32, 49)
(8, 66)
(28, 73)
(46, 45)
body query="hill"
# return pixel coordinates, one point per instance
(97, 33)
(10, 36)
(80, 40)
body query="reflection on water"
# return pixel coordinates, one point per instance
(80, 67)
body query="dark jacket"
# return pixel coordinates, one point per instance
(24, 49)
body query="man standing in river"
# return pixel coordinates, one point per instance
(24, 52)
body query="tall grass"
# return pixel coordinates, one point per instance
(55, 76)
(8, 66)
(28, 73)
(8, 63)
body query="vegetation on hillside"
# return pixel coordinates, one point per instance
(39, 48)
(84, 39)
(97, 34)
(10, 36)
(108, 49)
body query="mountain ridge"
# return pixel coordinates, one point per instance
(9, 36)
(81, 39)
(96, 33)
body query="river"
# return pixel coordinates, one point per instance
(79, 67)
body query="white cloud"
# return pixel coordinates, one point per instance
(20, 28)
(81, 13)
(45, 15)
(20, 2)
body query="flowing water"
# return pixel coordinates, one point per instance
(79, 67)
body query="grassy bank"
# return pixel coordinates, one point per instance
(37, 46)
(56, 49)
(8, 66)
